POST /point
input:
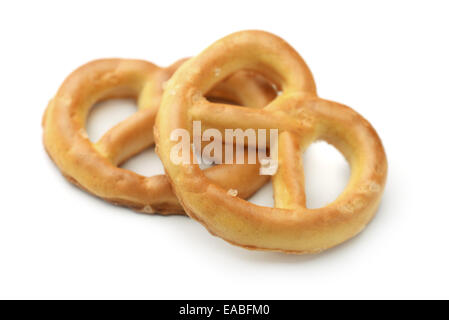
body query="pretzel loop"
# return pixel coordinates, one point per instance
(283, 67)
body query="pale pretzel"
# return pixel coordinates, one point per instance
(301, 118)
(94, 166)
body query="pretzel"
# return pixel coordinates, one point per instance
(301, 117)
(93, 167)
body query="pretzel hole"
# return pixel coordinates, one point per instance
(223, 100)
(145, 163)
(326, 174)
(204, 163)
(244, 88)
(231, 154)
(263, 196)
(106, 114)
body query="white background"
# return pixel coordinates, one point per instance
(388, 60)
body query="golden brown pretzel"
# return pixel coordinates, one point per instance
(301, 118)
(94, 166)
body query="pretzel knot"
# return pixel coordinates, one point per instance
(302, 118)
(94, 166)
